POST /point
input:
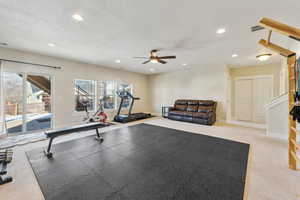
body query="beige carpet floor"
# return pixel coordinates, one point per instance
(269, 176)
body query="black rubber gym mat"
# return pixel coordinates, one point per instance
(143, 162)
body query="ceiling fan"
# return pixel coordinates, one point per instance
(153, 58)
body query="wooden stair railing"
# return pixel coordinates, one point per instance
(294, 33)
(296, 145)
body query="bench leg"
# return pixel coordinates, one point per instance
(48, 152)
(99, 136)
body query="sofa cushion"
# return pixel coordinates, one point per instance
(189, 114)
(193, 102)
(180, 107)
(200, 115)
(205, 109)
(206, 103)
(181, 102)
(176, 112)
(192, 108)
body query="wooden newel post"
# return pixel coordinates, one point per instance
(292, 123)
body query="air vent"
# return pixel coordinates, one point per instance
(256, 28)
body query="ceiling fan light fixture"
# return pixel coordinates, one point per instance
(154, 61)
(264, 57)
(153, 58)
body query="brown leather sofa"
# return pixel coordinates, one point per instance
(196, 111)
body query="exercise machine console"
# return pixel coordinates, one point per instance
(124, 118)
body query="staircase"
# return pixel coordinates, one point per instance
(277, 114)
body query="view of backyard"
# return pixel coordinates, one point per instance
(27, 114)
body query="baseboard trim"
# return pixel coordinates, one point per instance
(277, 135)
(247, 124)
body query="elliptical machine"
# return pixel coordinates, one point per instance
(124, 118)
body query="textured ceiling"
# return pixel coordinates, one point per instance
(122, 29)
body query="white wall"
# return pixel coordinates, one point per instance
(295, 46)
(200, 82)
(64, 101)
(283, 88)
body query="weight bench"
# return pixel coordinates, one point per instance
(5, 158)
(63, 131)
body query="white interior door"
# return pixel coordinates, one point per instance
(262, 94)
(243, 99)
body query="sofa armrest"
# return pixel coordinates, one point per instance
(211, 117)
(214, 107)
(171, 109)
(211, 114)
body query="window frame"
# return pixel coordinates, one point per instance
(97, 94)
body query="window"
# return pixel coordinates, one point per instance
(84, 95)
(107, 93)
(124, 87)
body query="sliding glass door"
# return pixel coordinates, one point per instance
(27, 102)
(13, 102)
(38, 102)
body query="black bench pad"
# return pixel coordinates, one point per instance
(73, 129)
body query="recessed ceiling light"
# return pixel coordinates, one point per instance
(264, 57)
(51, 45)
(234, 55)
(117, 61)
(77, 17)
(152, 69)
(184, 64)
(221, 30)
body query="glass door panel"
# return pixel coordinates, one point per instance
(13, 102)
(38, 102)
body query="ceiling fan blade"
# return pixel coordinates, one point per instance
(167, 57)
(146, 62)
(140, 57)
(161, 61)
